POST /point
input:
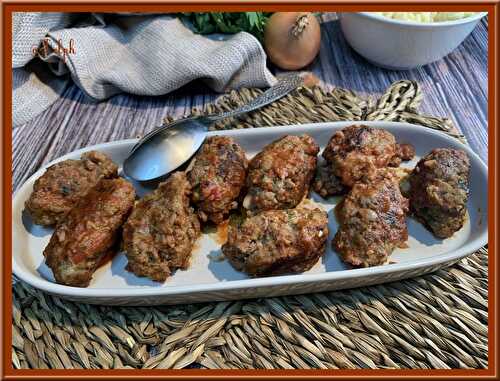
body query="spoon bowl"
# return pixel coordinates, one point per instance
(166, 148)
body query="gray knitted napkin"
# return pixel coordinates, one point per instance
(144, 54)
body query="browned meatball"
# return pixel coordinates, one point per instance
(355, 152)
(217, 176)
(160, 233)
(372, 221)
(64, 183)
(280, 175)
(404, 152)
(326, 183)
(278, 241)
(439, 188)
(89, 233)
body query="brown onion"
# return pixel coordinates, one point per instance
(292, 39)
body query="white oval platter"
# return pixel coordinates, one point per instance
(210, 279)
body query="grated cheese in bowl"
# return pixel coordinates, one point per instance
(426, 17)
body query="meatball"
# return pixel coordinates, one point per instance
(404, 152)
(217, 176)
(64, 183)
(439, 188)
(356, 152)
(326, 183)
(90, 232)
(278, 241)
(160, 233)
(372, 221)
(280, 175)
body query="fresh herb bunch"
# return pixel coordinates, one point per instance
(224, 22)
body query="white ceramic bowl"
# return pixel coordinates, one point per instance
(397, 44)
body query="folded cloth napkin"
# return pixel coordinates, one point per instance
(144, 54)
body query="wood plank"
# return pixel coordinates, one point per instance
(455, 87)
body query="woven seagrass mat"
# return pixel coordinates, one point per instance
(435, 321)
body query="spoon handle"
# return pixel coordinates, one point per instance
(285, 84)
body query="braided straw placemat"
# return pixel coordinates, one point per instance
(435, 321)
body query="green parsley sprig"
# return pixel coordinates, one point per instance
(226, 22)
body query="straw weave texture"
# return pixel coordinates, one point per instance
(435, 321)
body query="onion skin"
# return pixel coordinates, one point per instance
(289, 47)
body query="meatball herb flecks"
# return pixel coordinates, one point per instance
(372, 221)
(439, 188)
(280, 175)
(278, 241)
(160, 233)
(326, 183)
(64, 183)
(357, 151)
(90, 232)
(217, 176)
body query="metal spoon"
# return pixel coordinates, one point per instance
(167, 147)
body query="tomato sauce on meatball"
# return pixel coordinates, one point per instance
(217, 177)
(64, 183)
(90, 232)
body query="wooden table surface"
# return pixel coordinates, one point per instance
(455, 87)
